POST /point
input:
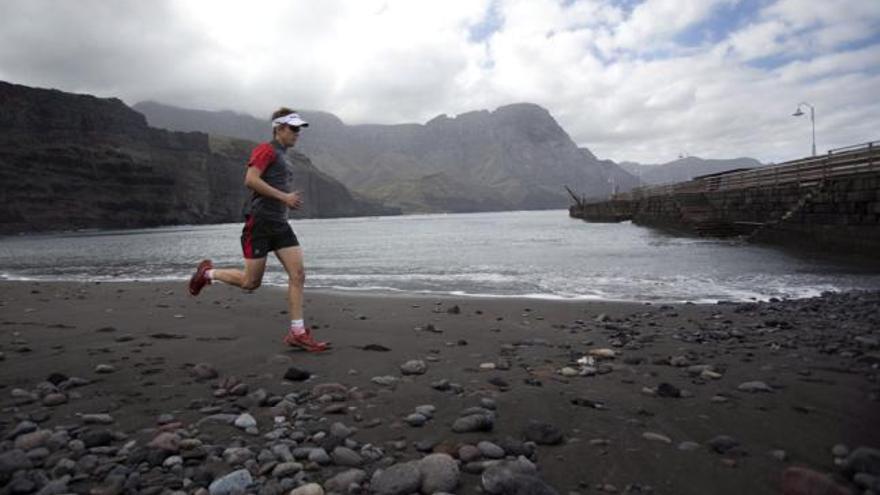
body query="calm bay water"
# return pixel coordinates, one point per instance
(535, 254)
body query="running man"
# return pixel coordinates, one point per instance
(267, 229)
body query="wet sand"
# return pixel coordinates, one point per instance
(647, 413)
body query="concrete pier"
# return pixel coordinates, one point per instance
(826, 202)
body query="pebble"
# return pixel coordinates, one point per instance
(97, 438)
(414, 367)
(487, 366)
(416, 420)
(840, 450)
(603, 353)
(426, 410)
(710, 375)
(468, 453)
(296, 374)
(569, 372)
(656, 437)
(319, 456)
(754, 387)
(506, 476)
(439, 473)
(863, 460)
(668, 390)
(22, 428)
(309, 489)
(688, 446)
(385, 381)
(286, 469)
(104, 368)
(204, 371)
(234, 483)
(343, 456)
(723, 443)
(803, 481)
(167, 441)
(399, 479)
(542, 433)
(473, 422)
(99, 419)
(245, 421)
(345, 479)
(441, 385)
(32, 440)
(22, 396)
(13, 460)
(490, 450)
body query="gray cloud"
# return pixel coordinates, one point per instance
(617, 81)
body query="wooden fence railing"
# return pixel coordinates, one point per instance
(838, 162)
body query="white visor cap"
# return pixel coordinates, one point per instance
(290, 119)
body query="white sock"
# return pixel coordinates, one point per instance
(209, 274)
(298, 327)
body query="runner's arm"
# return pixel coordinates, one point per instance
(254, 182)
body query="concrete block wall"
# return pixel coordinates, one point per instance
(843, 214)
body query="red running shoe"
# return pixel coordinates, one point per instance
(305, 341)
(200, 278)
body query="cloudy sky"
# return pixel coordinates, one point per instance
(642, 80)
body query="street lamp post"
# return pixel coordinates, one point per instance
(799, 112)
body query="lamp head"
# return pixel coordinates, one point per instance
(798, 113)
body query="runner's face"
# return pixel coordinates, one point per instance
(287, 135)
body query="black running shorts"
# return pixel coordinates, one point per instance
(260, 236)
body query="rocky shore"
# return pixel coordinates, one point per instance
(139, 388)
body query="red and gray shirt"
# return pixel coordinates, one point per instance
(270, 159)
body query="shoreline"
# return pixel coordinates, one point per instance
(679, 398)
(425, 294)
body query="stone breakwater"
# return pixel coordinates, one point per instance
(771, 397)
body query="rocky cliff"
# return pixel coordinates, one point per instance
(76, 161)
(516, 157)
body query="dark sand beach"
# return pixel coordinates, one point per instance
(111, 388)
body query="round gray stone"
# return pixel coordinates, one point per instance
(343, 456)
(490, 450)
(234, 483)
(439, 473)
(399, 479)
(414, 367)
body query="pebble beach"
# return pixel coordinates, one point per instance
(112, 388)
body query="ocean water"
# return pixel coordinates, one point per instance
(543, 254)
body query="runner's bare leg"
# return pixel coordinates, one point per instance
(292, 259)
(249, 279)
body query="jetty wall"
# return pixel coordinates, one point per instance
(829, 202)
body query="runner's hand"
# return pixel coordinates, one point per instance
(293, 200)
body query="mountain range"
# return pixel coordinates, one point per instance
(102, 164)
(515, 157)
(685, 168)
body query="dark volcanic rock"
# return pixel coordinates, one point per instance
(102, 166)
(297, 375)
(97, 438)
(668, 390)
(542, 433)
